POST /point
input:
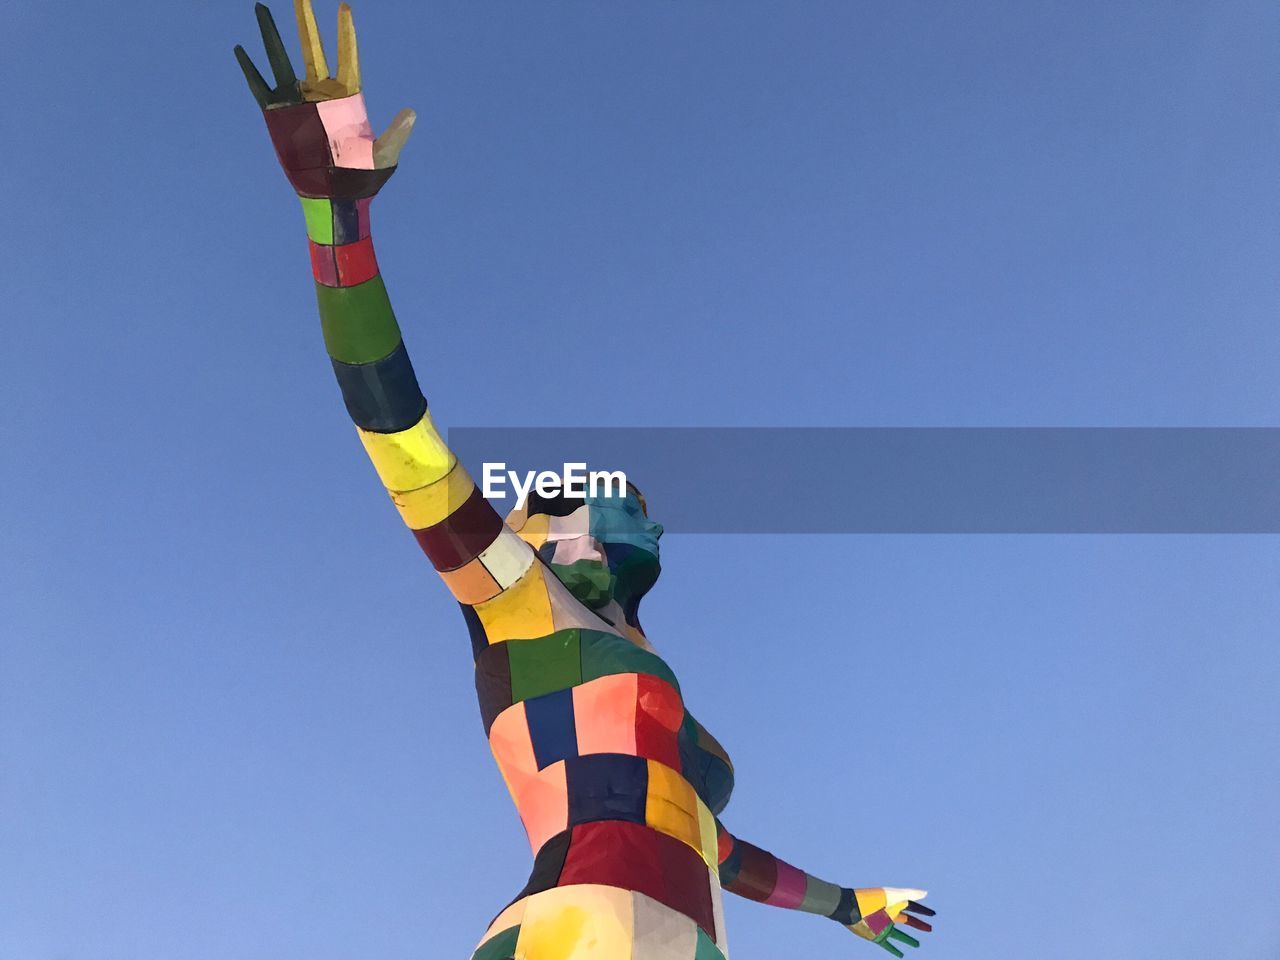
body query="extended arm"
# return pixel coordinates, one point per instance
(321, 133)
(870, 912)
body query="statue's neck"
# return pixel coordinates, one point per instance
(627, 625)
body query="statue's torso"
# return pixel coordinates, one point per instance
(615, 782)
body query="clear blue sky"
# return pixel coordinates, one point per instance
(236, 714)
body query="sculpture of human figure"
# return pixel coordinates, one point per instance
(619, 788)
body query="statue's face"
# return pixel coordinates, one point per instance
(620, 522)
(606, 549)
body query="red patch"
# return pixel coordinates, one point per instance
(631, 856)
(323, 266)
(758, 874)
(724, 844)
(463, 535)
(302, 144)
(356, 263)
(659, 712)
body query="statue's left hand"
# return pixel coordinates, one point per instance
(883, 909)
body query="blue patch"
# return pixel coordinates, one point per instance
(346, 222)
(551, 727)
(621, 521)
(607, 786)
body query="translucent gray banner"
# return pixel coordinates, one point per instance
(919, 480)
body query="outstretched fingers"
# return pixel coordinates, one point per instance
(277, 55)
(257, 86)
(915, 922)
(920, 908)
(896, 934)
(348, 52)
(890, 947)
(312, 48)
(386, 149)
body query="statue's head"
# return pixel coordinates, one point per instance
(603, 548)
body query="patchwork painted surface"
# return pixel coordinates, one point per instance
(619, 788)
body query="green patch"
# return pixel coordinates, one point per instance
(606, 654)
(359, 325)
(319, 214)
(544, 665)
(589, 581)
(501, 946)
(820, 897)
(707, 950)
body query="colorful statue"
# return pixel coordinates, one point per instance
(619, 787)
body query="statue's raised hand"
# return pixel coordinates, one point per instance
(882, 909)
(318, 124)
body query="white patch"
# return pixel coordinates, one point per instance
(507, 558)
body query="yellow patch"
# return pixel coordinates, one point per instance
(671, 806)
(429, 505)
(533, 530)
(869, 900)
(521, 612)
(410, 459)
(862, 930)
(579, 922)
(710, 839)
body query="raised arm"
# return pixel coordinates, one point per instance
(873, 913)
(320, 129)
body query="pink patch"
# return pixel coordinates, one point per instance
(350, 137)
(576, 524)
(511, 744)
(605, 714)
(542, 797)
(579, 548)
(788, 890)
(362, 216)
(878, 922)
(544, 805)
